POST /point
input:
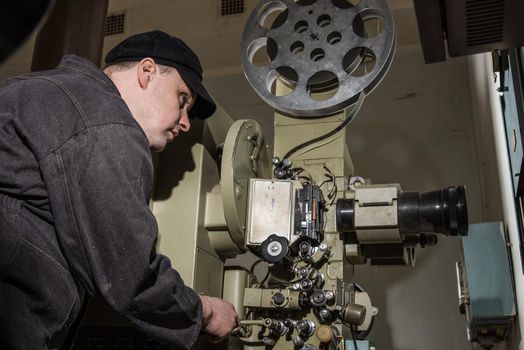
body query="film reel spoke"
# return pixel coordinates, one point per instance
(316, 46)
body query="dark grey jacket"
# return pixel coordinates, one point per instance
(75, 180)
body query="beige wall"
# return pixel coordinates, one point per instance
(417, 128)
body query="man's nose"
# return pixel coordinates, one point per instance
(184, 124)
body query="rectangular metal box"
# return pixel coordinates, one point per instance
(270, 210)
(485, 282)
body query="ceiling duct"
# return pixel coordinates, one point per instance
(484, 22)
(231, 7)
(115, 24)
(468, 26)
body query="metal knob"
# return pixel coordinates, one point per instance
(325, 333)
(354, 314)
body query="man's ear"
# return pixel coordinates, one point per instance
(145, 70)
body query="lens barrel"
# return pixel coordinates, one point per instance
(345, 215)
(442, 211)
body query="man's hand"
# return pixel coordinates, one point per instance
(219, 317)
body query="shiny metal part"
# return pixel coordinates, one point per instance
(306, 328)
(270, 210)
(318, 298)
(356, 181)
(274, 248)
(268, 341)
(317, 46)
(302, 272)
(297, 341)
(354, 314)
(325, 315)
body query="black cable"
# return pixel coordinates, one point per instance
(252, 268)
(345, 123)
(261, 284)
(353, 336)
(252, 272)
(330, 177)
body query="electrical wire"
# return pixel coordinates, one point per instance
(330, 176)
(252, 268)
(345, 123)
(353, 336)
(261, 284)
(299, 171)
(252, 272)
(332, 195)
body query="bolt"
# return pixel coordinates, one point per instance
(279, 173)
(274, 248)
(298, 341)
(306, 328)
(302, 325)
(279, 299)
(304, 246)
(325, 314)
(318, 298)
(302, 272)
(268, 341)
(306, 285)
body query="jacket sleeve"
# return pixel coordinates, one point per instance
(99, 184)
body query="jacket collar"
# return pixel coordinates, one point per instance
(89, 69)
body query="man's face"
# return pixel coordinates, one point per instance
(167, 102)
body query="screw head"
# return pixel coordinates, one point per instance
(274, 248)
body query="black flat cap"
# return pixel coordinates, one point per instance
(170, 51)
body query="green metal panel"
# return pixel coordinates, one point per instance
(487, 271)
(361, 345)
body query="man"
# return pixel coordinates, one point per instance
(75, 180)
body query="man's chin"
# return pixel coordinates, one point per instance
(157, 148)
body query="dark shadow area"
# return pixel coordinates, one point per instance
(175, 161)
(18, 19)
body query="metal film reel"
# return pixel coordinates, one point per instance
(317, 48)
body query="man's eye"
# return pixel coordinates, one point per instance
(182, 100)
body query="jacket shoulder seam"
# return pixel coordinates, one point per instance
(68, 93)
(54, 150)
(83, 72)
